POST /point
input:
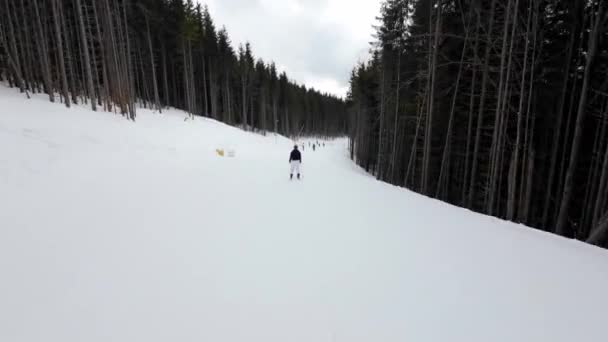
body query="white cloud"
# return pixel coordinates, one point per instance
(316, 41)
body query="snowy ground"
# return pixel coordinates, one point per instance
(119, 231)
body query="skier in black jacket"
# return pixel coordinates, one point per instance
(295, 159)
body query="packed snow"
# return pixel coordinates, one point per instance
(118, 231)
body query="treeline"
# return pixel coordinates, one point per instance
(499, 106)
(117, 55)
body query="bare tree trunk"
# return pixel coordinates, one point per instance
(597, 24)
(355, 152)
(25, 51)
(428, 138)
(525, 211)
(600, 232)
(470, 114)
(193, 103)
(60, 58)
(412, 158)
(529, 152)
(275, 112)
(244, 99)
(205, 95)
(186, 80)
(380, 130)
(600, 191)
(68, 58)
(499, 116)
(396, 124)
(448, 138)
(228, 103)
(129, 73)
(118, 65)
(87, 58)
(142, 82)
(212, 91)
(593, 177)
(12, 54)
(482, 102)
(104, 63)
(522, 89)
(165, 76)
(153, 67)
(558, 130)
(44, 53)
(94, 57)
(263, 118)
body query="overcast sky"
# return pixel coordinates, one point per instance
(317, 42)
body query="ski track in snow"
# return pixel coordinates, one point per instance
(119, 231)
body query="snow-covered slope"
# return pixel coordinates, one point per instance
(120, 231)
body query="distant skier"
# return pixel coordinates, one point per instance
(295, 159)
(314, 147)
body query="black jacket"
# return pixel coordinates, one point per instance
(295, 156)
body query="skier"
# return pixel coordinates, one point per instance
(295, 159)
(314, 147)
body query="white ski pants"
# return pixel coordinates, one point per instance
(295, 167)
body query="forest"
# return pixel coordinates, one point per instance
(118, 55)
(498, 106)
(495, 106)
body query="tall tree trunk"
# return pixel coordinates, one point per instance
(528, 159)
(601, 187)
(186, 80)
(104, 62)
(511, 205)
(471, 113)
(27, 48)
(153, 67)
(69, 59)
(12, 54)
(212, 91)
(275, 112)
(379, 159)
(87, 58)
(228, 103)
(600, 232)
(396, 124)
(60, 57)
(244, 101)
(166, 92)
(129, 73)
(263, 110)
(412, 158)
(428, 138)
(205, 88)
(561, 227)
(499, 116)
(558, 130)
(482, 102)
(44, 53)
(448, 137)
